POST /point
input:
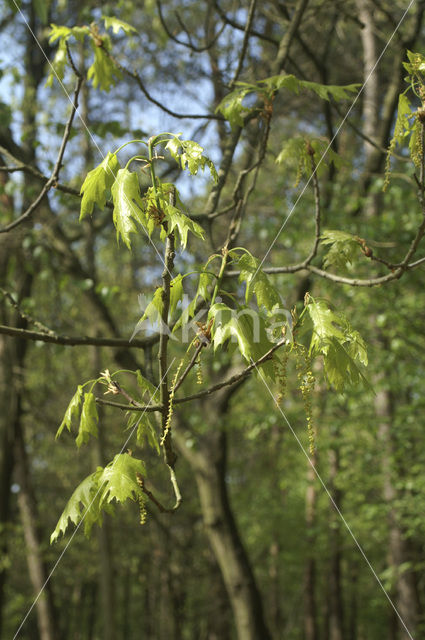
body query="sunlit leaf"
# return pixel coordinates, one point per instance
(116, 25)
(72, 411)
(128, 204)
(97, 184)
(88, 421)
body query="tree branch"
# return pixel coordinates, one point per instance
(77, 340)
(205, 392)
(51, 182)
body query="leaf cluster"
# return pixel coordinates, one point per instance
(232, 106)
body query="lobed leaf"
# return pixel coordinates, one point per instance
(103, 71)
(341, 346)
(116, 25)
(97, 184)
(128, 204)
(257, 282)
(82, 504)
(88, 421)
(116, 482)
(343, 248)
(72, 411)
(118, 479)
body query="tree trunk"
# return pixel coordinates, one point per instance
(28, 511)
(310, 616)
(209, 467)
(406, 599)
(336, 610)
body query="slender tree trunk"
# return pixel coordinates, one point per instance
(406, 595)
(310, 616)
(336, 609)
(209, 467)
(106, 568)
(28, 511)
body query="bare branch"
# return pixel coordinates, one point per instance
(132, 73)
(77, 340)
(188, 45)
(51, 182)
(249, 21)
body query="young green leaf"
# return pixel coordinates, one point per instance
(190, 154)
(103, 71)
(57, 68)
(81, 504)
(145, 386)
(257, 282)
(97, 184)
(118, 479)
(178, 220)
(176, 292)
(88, 421)
(128, 204)
(72, 411)
(334, 338)
(232, 107)
(343, 248)
(328, 91)
(115, 24)
(153, 311)
(146, 431)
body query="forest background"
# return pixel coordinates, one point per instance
(302, 519)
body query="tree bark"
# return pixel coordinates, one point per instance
(336, 609)
(310, 616)
(38, 572)
(406, 599)
(209, 466)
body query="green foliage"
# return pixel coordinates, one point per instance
(116, 482)
(296, 154)
(145, 432)
(232, 106)
(341, 346)
(103, 71)
(176, 292)
(343, 248)
(257, 282)
(153, 310)
(409, 122)
(128, 204)
(83, 503)
(146, 387)
(116, 25)
(189, 154)
(88, 419)
(97, 184)
(72, 411)
(242, 328)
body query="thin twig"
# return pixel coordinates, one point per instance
(205, 392)
(132, 73)
(188, 45)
